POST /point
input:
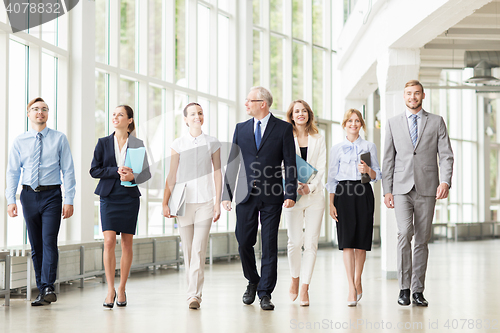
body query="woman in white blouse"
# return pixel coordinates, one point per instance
(309, 210)
(351, 201)
(193, 157)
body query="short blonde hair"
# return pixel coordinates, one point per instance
(412, 83)
(348, 115)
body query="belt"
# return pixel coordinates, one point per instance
(41, 188)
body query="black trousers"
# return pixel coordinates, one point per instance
(42, 213)
(247, 223)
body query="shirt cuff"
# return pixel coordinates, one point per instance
(68, 201)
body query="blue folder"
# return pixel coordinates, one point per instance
(305, 172)
(134, 160)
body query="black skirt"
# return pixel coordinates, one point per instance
(119, 211)
(355, 206)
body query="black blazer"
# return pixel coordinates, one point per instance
(261, 169)
(104, 166)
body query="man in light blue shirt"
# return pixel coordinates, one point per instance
(41, 154)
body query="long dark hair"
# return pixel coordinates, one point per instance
(130, 114)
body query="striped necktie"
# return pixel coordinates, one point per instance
(258, 135)
(35, 169)
(414, 129)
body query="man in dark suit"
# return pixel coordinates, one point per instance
(260, 145)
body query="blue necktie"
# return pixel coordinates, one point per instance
(414, 130)
(258, 135)
(37, 154)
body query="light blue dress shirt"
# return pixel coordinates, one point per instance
(344, 160)
(56, 157)
(263, 124)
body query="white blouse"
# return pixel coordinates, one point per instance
(120, 154)
(195, 166)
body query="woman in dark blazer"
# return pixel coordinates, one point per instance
(119, 204)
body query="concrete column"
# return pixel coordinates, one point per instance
(395, 67)
(80, 117)
(4, 137)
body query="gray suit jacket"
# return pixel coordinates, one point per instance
(404, 166)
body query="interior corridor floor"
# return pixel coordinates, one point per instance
(462, 288)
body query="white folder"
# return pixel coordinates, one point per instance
(177, 202)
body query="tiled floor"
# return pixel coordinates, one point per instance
(462, 290)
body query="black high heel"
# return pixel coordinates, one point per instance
(122, 303)
(110, 305)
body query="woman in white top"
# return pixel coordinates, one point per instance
(309, 210)
(193, 156)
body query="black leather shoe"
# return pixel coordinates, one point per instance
(109, 305)
(39, 301)
(419, 300)
(49, 295)
(122, 303)
(249, 295)
(404, 297)
(266, 304)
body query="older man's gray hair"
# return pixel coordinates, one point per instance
(263, 93)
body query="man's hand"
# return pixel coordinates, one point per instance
(67, 211)
(442, 191)
(389, 200)
(12, 210)
(289, 203)
(226, 204)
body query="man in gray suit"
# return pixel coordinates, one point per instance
(414, 140)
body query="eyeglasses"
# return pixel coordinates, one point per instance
(38, 109)
(253, 100)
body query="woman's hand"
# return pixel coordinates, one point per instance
(363, 167)
(303, 189)
(166, 212)
(126, 173)
(216, 212)
(333, 212)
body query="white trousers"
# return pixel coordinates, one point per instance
(194, 230)
(309, 211)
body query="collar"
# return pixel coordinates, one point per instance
(358, 141)
(419, 113)
(199, 138)
(263, 121)
(44, 132)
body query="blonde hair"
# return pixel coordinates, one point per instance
(412, 83)
(348, 115)
(310, 126)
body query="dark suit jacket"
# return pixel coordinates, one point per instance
(104, 166)
(261, 169)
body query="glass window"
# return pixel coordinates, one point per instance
(49, 87)
(224, 5)
(298, 19)
(155, 34)
(127, 34)
(155, 222)
(155, 140)
(223, 56)
(256, 12)
(203, 49)
(276, 15)
(101, 31)
(298, 54)
(18, 80)
(467, 178)
(494, 172)
(318, 9)
(318, 81)
(101, 107)
(223, 123)
(181, 100)
(276, 72)
(49, 31)
(256, 58)
(180, 43)
(205, 105)
(127, 93)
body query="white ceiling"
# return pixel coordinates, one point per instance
(477, 32)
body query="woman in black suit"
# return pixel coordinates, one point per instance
(119, 204)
